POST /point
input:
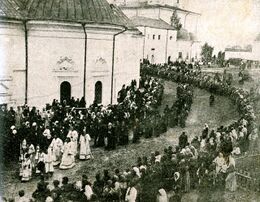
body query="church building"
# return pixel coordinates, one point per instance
(58, 49)
(162, 41)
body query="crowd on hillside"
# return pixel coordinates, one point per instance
(219, 85)
(205, 162)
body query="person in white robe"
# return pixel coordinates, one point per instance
(48, 160)
(68, 158)
(31, 152)
(231, 183)
(26, 169)
(84, 151)
(131, 194)
(73, 135)
(88, 191)
(57, 145)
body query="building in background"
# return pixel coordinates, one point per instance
(55, 49)
(249, 54)
(237, 52)
(162, 42)
(256, 49)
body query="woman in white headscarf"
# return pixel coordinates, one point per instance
(162, 196)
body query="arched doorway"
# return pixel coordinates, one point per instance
(65, 91)
(98, 92)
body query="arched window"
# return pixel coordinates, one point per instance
(98, 92)
(65, 91)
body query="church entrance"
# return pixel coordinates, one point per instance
(65, 91)
(98, 92)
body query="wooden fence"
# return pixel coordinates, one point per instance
(248, 172)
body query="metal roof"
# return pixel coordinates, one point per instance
(82, 11)
(9, 9)
(150, 22)
(147, 6)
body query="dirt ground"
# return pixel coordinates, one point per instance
(222, 113)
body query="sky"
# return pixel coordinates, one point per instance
(226, 22)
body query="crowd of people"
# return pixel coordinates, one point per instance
(217, 148)
(205, 162)
(61, 132)
(177, 114)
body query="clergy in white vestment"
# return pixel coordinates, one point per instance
(31, 152)
(57, 146)
(84, 150)
(48, 160)
(68, 158)
(26, 169)
(73, 135)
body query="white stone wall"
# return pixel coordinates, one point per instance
(12, 65)
(99, 65)
(185, 48)
(128, 54)
(238, 54)
(155, 48)
(48, 45)
(163, 48)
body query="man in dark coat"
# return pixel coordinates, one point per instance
(183, 140)
(111, 137)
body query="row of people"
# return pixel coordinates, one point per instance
(240, 97)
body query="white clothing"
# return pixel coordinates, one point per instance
(219, 161)
(26, 170)
(131, 194)
(68, 158)
(47, 133)
(84, 151)
(57, 146)
(48, 160)
(162, 196)
(88, 192)
(73, 135)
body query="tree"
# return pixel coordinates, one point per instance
(175, 21)
(221, 59)
(206, 53)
